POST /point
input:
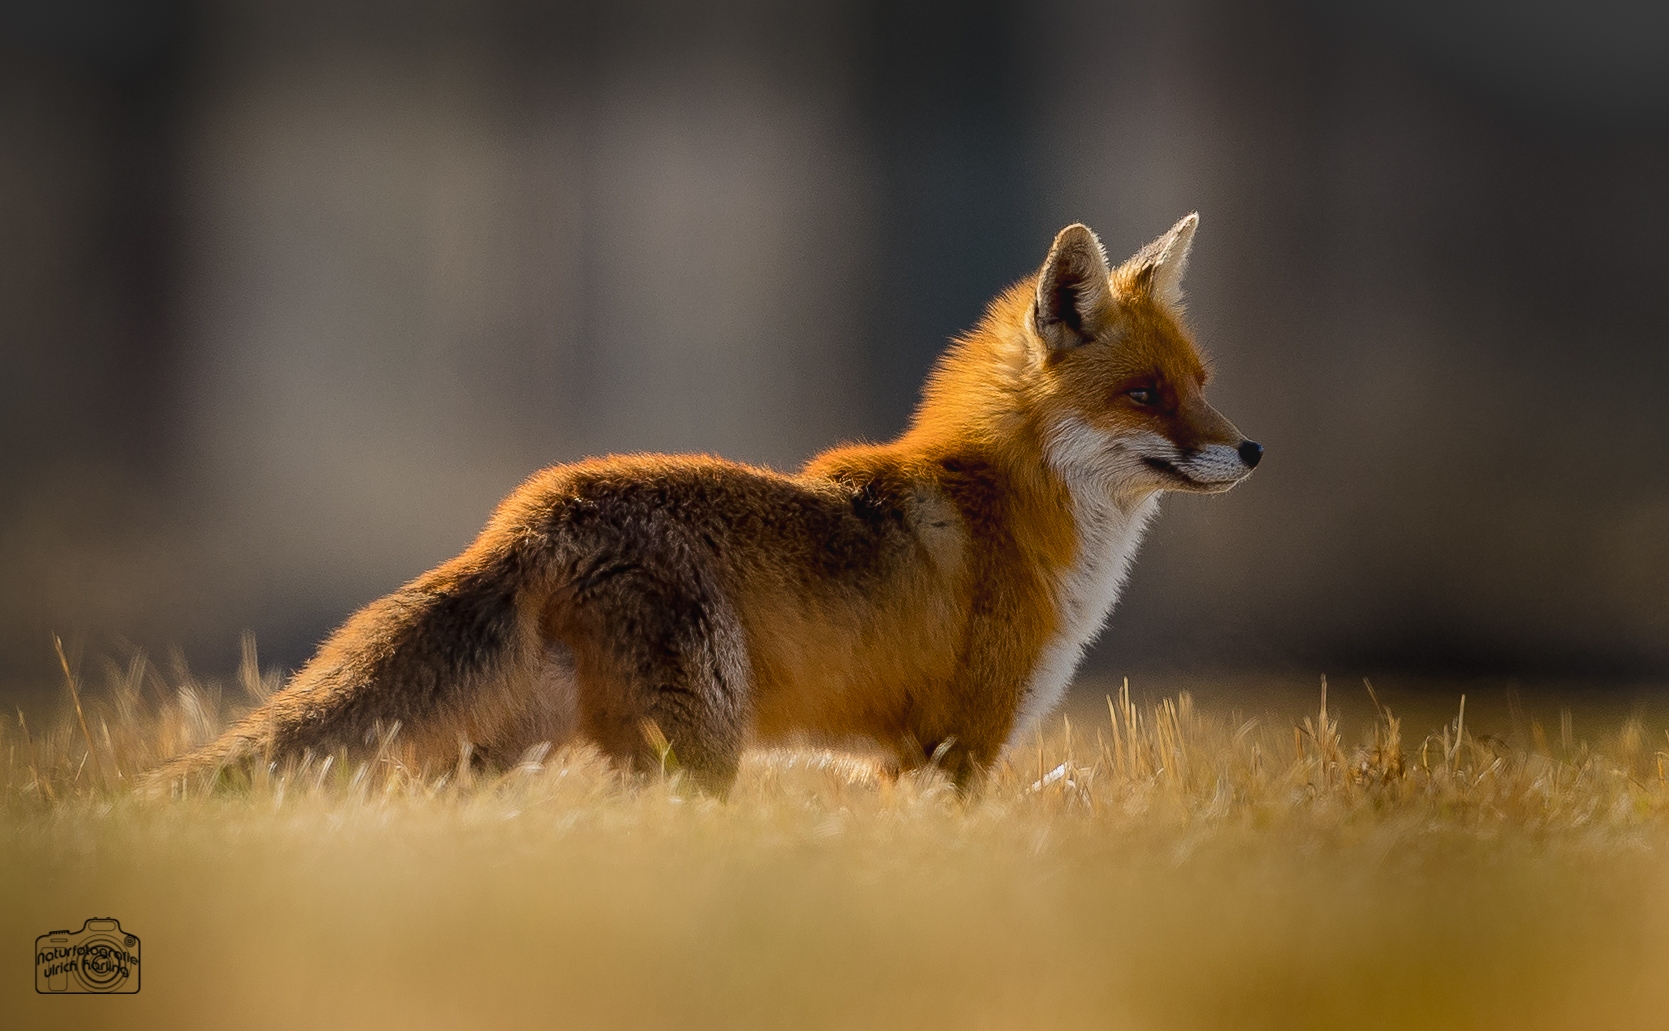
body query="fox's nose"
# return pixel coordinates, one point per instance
(1251, 452)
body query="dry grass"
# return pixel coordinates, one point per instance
(1141, 865)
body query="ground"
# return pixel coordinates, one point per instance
(1221, 859)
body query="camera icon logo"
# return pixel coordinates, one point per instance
(100, 958)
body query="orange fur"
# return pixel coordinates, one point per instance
(927, 595)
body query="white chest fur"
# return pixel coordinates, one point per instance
(1110, 522)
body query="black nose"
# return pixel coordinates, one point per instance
(1251, 452)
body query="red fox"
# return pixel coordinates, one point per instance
(931, 596)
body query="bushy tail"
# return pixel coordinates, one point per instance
(234, 748)
(420, 659)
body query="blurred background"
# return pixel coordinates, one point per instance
(291, 293)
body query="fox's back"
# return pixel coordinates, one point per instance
(842, 590)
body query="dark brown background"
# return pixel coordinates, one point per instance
(291, 293)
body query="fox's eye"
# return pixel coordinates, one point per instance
(1143, 395)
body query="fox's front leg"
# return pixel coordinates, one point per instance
(967, 742)
(985, 701)
(965, 763)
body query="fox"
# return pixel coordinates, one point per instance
(931, 597)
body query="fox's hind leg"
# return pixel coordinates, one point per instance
(658, 653)
(541, 709)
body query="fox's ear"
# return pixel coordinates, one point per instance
(1073, 298)
(1157, 268)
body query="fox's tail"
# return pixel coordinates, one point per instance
(417, 661)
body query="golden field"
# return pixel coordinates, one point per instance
(1244, 856)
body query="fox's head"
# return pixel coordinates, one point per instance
(1120, 387)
